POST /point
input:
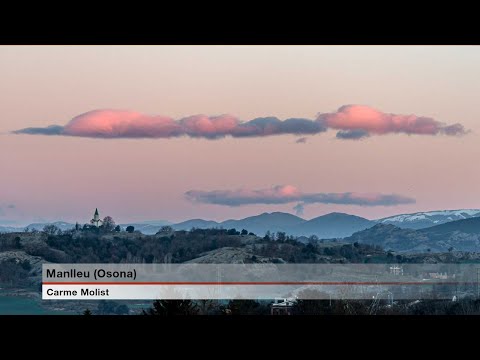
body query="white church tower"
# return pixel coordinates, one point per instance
(96, 219)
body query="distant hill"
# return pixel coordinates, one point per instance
(149, 222)
(391, 237)
(62, 225)
(422, 220)
(260, 224)
(196, 223)
(8, 229)
(467, 226)
(460, 235)
(232, 255)
(147, 227)
(333, 225)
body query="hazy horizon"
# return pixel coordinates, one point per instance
(86, 219)
(372, 131)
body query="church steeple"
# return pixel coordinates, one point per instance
(96, 219)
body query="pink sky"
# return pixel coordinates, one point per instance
(65, 177)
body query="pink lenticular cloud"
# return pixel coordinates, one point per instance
(121, 123)
(130, 124)
(354, 122)
(280, 194)
(284, 194)
(373, 121)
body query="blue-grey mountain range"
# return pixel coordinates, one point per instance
(333, 225)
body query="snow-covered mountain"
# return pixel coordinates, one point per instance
(422, 220)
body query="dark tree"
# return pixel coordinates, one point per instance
(118, 228)
(108, 223)
(130, 229)
(17, 243)
(172, 307)
(165, 230)
(244, 232)
(233, 232)
(87, 312)
(51, 229)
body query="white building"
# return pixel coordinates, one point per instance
(96, 219)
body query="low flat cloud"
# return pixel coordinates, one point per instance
(351, 121)
(372, 121)
(129, 124)
(285, 194)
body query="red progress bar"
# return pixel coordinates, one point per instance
(259, 283)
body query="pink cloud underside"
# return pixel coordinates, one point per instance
(118, 123)
(361, 117)
(353, 122)
(284, 194)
